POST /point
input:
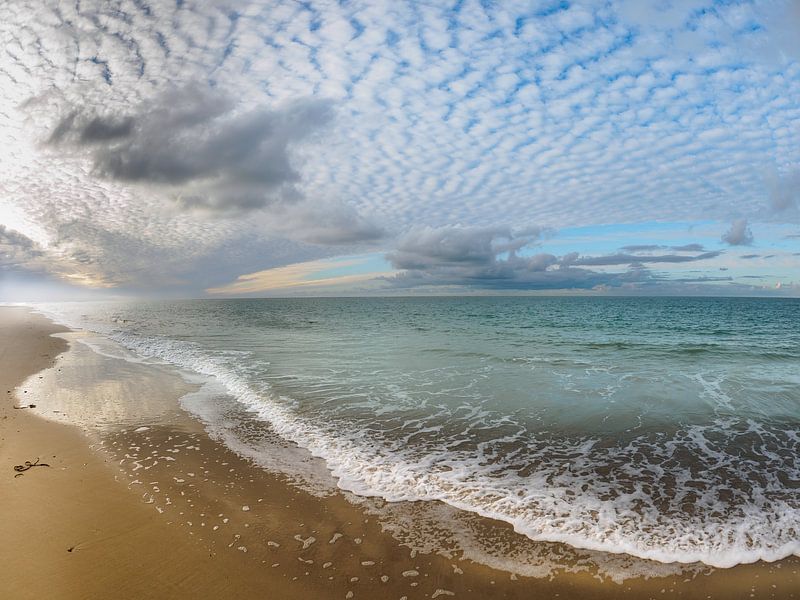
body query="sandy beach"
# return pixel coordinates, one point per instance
(139, 501)
(73, 529)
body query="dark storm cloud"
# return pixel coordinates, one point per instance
(471, 247)
(215, 154)
(488, 258)
(82, 128)
(99, 130)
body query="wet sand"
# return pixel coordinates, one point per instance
(140, 502)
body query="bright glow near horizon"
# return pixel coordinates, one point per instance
(193, 148)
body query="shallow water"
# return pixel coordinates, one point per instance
(663, 428)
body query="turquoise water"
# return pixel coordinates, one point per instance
(665, 428)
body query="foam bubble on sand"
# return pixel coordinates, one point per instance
(305, 542)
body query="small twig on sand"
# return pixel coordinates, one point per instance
(20, 469)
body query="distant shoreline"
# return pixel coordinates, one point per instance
(585, 295)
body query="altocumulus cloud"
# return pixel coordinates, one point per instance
(784, 192)
(322, 125)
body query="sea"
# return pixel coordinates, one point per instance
(666, 429)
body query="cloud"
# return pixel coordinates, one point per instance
(780, 19)
(500, 259)
(784, 192)
(22, 256)
(214, 153)
(628, 259)
(641, 247)
(703, 279)
(490, 258)
(325, 223)
(85, 129)
(654, 247)
(689, 248)
(457, 246)
(739, 234)
(17, 250)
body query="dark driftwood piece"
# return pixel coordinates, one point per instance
(20, 469)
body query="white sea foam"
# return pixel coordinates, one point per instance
(223, 422)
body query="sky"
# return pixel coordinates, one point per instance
(214, 149)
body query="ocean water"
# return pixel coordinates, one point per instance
(664, 428)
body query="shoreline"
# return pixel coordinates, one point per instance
(74, 530)
(96, 501)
